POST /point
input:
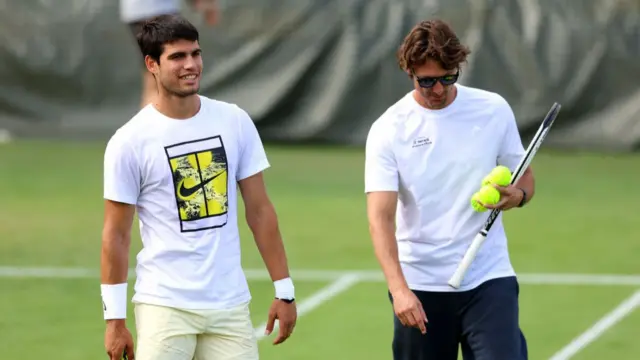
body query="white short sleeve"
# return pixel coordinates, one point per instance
(511, 149)
(381, 170)
(121, 172)
(253, 158)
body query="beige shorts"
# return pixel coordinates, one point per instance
(165, 333)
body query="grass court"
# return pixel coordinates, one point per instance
(580, 226)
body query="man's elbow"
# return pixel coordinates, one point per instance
(260, 216)
(381, 223)
(114, 238)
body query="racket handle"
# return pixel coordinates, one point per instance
(469, 256)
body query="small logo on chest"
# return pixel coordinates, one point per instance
(421, 141)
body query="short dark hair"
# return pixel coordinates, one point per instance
(431, 40)
(164, 29)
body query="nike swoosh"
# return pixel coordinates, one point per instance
(186, 192)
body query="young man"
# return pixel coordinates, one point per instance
(135, 12)
(425, 157)
(177, 162)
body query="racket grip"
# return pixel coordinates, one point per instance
(469, 256)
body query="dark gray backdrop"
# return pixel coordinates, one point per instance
(323, 70)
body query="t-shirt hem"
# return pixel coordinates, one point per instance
(263, 166)
(380, 188)
(466, 287)
(190, 305)
(121, 199)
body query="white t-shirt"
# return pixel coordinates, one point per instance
(181, 175)
(436, 160)
(134, 10)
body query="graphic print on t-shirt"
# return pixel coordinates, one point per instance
(200, 172)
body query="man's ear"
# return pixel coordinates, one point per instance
(151, 64)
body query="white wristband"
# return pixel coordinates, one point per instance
(114, 301)
(284, 289)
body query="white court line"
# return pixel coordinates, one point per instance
(316, 299)
(331, 275)
(595, 331)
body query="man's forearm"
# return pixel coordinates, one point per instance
(114, 263)
(527, 183)
(114, 266)
(386, 250)
(264, 226)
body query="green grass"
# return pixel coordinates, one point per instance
(581, 221)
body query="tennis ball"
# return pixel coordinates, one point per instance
(500, 175)
(486, 195)
(476, 205)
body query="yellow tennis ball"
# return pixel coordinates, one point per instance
(487, 195)
(476, 205)
(500, 175)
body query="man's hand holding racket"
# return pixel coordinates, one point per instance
(510, 197)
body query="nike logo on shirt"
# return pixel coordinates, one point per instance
(186, 192)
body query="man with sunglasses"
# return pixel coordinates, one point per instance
(425, 157)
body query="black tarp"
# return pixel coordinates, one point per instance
(312, 70)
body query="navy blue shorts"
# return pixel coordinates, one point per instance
(483, 322)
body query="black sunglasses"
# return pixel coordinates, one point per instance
(428, 82)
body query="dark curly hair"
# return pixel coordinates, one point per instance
(435, 40)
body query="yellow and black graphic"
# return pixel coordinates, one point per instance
(200, 172)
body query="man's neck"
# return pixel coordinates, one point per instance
(451, 96)
(178, 107)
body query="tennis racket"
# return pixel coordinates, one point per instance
(534, 145)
